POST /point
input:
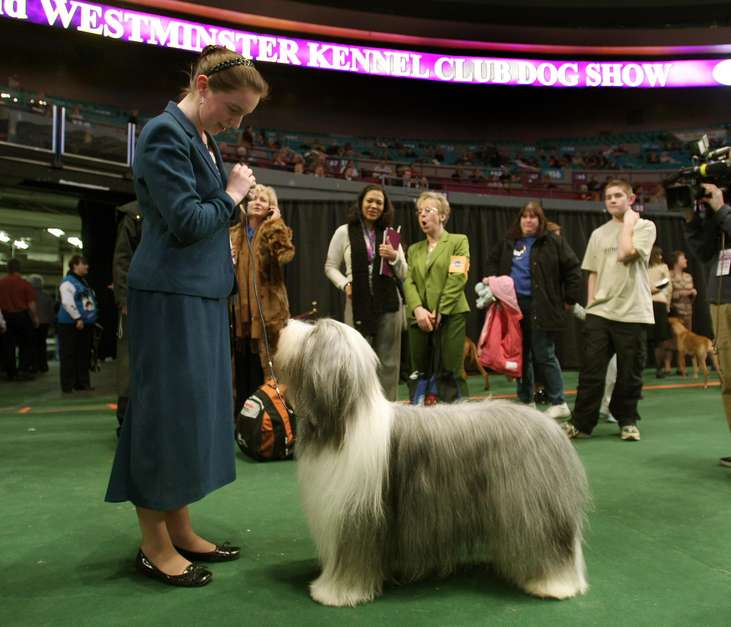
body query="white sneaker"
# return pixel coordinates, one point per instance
(558, 412)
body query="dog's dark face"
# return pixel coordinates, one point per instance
(328, 368)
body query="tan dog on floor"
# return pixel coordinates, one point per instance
(470, 357)
(689, 343)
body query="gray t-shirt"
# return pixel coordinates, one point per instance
(622, 290)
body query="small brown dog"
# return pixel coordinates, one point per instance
(689, 343)
(470, 357)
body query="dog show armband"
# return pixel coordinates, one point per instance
(459, 264)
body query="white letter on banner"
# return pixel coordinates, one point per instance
(165, 35)
(60, 11)
(316, 55)
(288, 50)
(501, 71)
(441, 73)
(416, 70)
(526, 73)
(593, 75)
(632, 75)
(204, 36)
(89, 19)
(244, 40)
(340, 58)
(657, 73)
(266, 52)
(379, 64)
(17, 9)
(226, 39)
(113, 24)
(135, 26)
(360, 62)
(400, 64)
(610, 75)
(568, 80)
(550, 79)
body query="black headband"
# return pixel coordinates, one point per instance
(225, 65)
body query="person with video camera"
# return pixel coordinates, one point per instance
(709, 237)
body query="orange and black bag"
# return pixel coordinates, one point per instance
(266, 425)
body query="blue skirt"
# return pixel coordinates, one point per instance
(177, 439)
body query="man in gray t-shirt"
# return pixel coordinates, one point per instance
(619, 305)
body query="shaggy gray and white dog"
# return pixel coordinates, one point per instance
(398, 493)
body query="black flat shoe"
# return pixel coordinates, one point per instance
(222, 553)
(193, 576)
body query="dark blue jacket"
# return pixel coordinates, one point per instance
(185, 245)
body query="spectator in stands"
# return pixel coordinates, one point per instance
(660, 333)
(350, 172)
(18, 304)
(407, 177)
(261, 243)
(383, 172)
(319, 169)
(684, 293)
(281, 158)
(372, 298)
(547, 281)
(619, 306)
(178, 431)
(44, 307)
(298, 166)
(129, 235)
(434, 287)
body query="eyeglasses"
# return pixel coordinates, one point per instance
(427, 210)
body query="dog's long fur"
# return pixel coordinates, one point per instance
(397, 493)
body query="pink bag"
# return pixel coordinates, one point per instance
(500, 347)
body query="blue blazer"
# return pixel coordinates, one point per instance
(185, 246)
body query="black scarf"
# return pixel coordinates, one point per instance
(367, 307)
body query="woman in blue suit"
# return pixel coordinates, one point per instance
(177, 439)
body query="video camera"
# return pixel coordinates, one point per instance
(683, 190)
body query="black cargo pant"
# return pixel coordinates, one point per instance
(75, 354)
(602, 339)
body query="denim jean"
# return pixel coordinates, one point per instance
(539, 353)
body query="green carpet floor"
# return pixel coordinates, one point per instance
(658, 547)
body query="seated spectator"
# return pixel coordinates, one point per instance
(383, 171)
(350, 172)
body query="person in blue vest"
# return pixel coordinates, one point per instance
(75, 324)
(177, 439)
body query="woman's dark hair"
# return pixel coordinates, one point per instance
(532, 207)
(75, 261)
(655, 256)
(675, 255)
(355, 213)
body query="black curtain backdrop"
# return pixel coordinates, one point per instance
(313, 223)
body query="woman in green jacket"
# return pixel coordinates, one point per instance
(434, 289)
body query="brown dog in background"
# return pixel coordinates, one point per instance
(470, 357)
(689, 343)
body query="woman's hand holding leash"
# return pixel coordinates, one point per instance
(240, 181)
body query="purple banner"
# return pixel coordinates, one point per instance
(157, 30)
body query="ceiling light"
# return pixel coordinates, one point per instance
(56, 232)
(75, 241)
(4, 237)
(21, 244)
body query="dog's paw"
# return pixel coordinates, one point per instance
(334, 595)
(557, 587)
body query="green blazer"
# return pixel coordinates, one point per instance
(429, 283)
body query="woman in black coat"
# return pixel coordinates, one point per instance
(547, 278)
